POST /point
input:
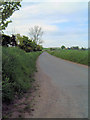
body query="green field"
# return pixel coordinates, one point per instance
(18, 68)
(78, 56)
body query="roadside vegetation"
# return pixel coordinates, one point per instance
(18, 68)
(78, 56)
(19, 55)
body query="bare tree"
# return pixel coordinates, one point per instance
(35, 34)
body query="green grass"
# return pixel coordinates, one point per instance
(18, 68)
(78, 56)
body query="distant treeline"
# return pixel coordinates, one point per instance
(69, 48)
(22, 42)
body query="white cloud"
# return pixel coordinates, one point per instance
(24, 12)
(60, 21)
(48, 9)
(24, 29)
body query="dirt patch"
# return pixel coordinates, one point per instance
(23, 107)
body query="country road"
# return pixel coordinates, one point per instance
(64, 88)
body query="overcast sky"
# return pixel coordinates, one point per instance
(63, 23)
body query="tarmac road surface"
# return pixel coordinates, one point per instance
(64, 88)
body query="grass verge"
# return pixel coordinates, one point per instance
(78, 56)
(18, 68)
